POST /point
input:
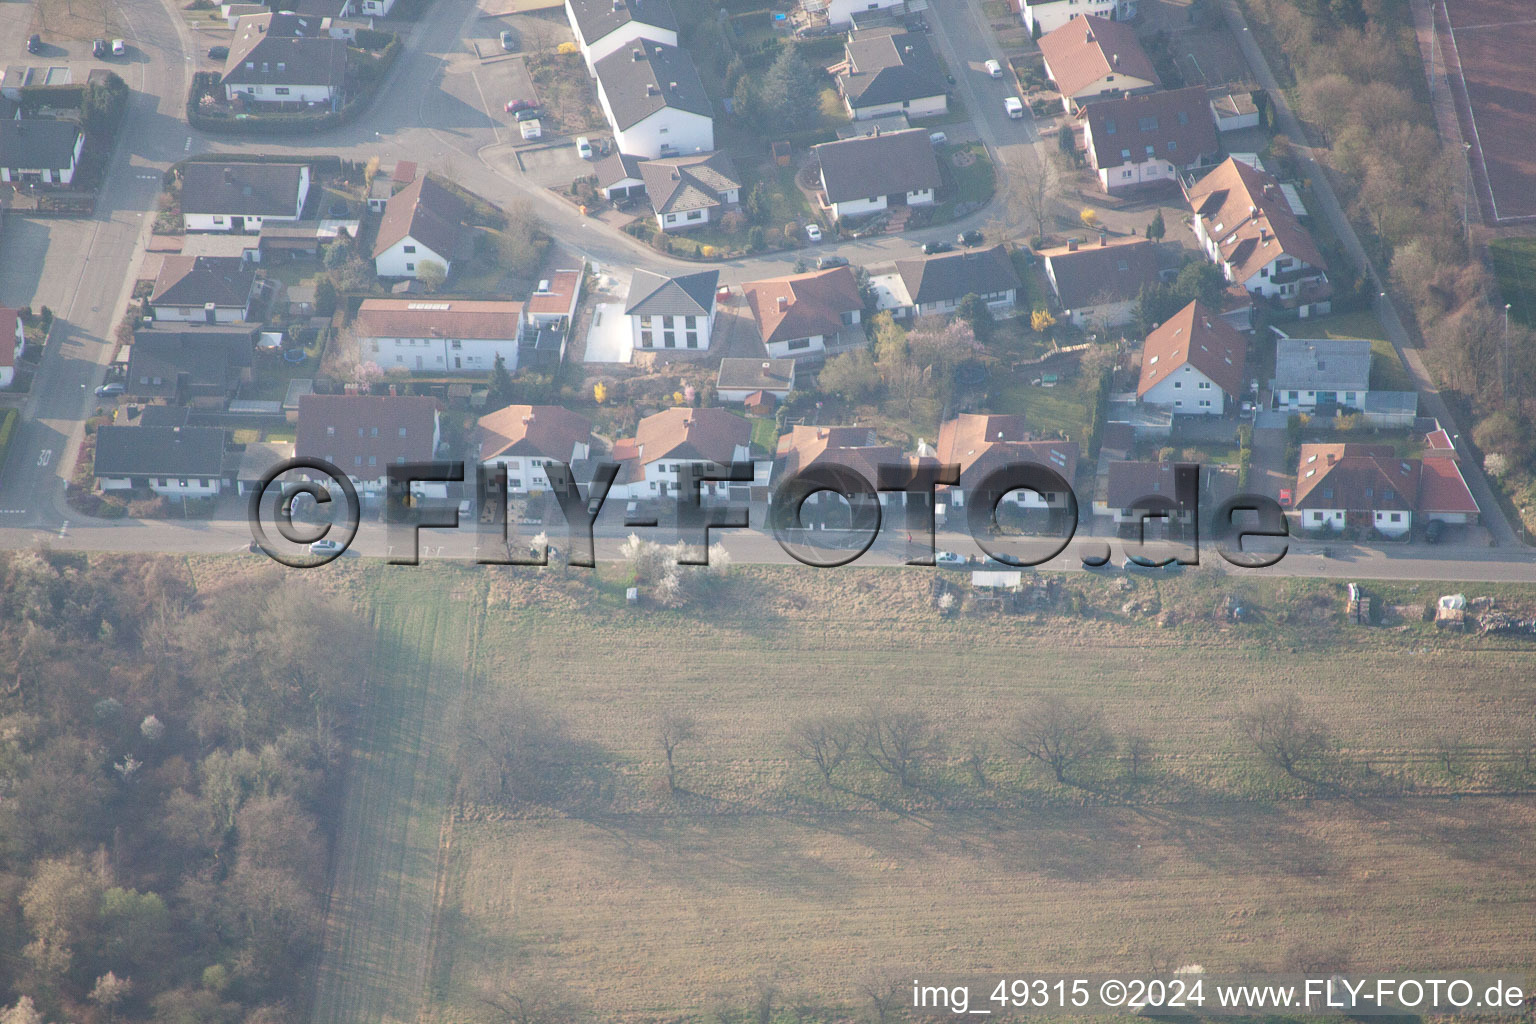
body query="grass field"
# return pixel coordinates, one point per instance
(1514, 261)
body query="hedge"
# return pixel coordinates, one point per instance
(7, 428)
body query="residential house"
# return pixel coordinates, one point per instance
(936, 284)
(173, 462)
(13, 342)
(1128, 486)
(673, 314)
(439, 335)
(1099, 284)
(748, 380)
(835, 14)
(853, 448)
(384, 186)
(805, 316)
(203, 289)
(423, 221)
(1193, 363)
(1331, 372)
(363, 435)
(603, 27)
(272, 67)
(554, 299)
(1358, 485)
(690, 191)
(1042, 16)
(1443, 491)
(1149, 137)
(654, 101)
(650, 462)
(525, 438)
(1246, 226)
(889, 71)
(982, 443)
(196, 365)
(37, 151)
(1091, 58)
(618, 176)
(869, 173)
(241, 197)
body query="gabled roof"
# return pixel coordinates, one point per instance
(1088, 48)
(1322, 364)
(954, 275)
(241, 189)
(542, 431)
(803, 305)
(597, 18)
(689, 434)
(1246, 213)
(351, 430)
(1197, 337)
(198, 280)
(1102, 273)
(37, 144)
(1356, 477)
(775, 375)
(161, 363)
(1128, 482)
(617, 167)
(878, 165)
(853, 447)
(890, 67)
(1442, 488)
(979, 443)
(258, 56)
(652, 294)
(679, 183)
(427, 212)
(1177, 125)
(648, 76)
(160, 451)
(460, 319)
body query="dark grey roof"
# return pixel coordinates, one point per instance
(241, 189)
(596, 18)
(259, 57)
(955, 275)
(38, 144)
(689, 182)
(649, 76)
(171, 364)
(164, 416)
(1093, 274)
(653, 295)
(878, 165)
(756, 374)
(1324, 364)
(196, 280)
(887, 67)
(617, 167)
(159, 451)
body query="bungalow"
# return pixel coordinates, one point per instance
(1328, 372)
(38, 151)
(618, 176)
(13, 342)
(1193, 363)
(655, 102)
(266, 66)
(524, 438)
(690, 191)
(240, 197)
(1443, 491)
(554, 298)
(868, 173)
(1152, 137)
(423, 221)
(672, 313)
(649, 462)
(1042, 16)
(889, 71)
(982, 443)
(1361, 485)
(203, 289)
(1129, 484)
(743, 379)
(192, 365)
(805, 315)
(936, 284)
(1246, 226)
(1101, 283)
(173, 462)
(363, 435)
(1091, 58)
(854, 448)
(446, 336)
(603, 27)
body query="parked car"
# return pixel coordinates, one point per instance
(506, 40)
(584, 147)
(971, 237)
(528, 113)
(99, 48)
(325, 546)
(119, 48)
(949, 560)
(1014, 107)
(813, 232)
(930, 248)
(109, 391)
(218, 53)
(937, 138)
(35, 43)
(513, 106)
(828, 262)
(531, 129)
(1434, 533)
(994, 68)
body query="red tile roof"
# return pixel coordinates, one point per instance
(1196, 336)
(351, 430)
(556, 300)
(1356, 477)
(1089, 48)
(1250, 220)
(463, 319)
(1442, 488)
(546, 431)
(812, 304)
(979, 443)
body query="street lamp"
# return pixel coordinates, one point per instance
(1466, 192)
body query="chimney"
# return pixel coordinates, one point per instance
(766, 365)
(1115, 60)
(528, 419)
(1071, 245)
(1103, 239)
(637, 54)
(1330, 458)
(210, 313)
(1253, 211)
(672, 86)
(229, 175)
(650, 88)
(783, 303)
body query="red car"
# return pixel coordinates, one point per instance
(513, 106)
(1285, 497)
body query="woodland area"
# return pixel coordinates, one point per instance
(168, 763)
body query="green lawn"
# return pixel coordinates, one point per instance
(1047, 410)
(1514, 261)
(972, 184)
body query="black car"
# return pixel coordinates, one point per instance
(35, 44)
(99, 48)
(828, 262)
(930, 248)
(971, 237)
(529, 114)
(218, 53)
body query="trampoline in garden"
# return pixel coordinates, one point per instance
(294, 356)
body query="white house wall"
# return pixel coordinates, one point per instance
(396, 261)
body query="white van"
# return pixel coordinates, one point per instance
(1014, 106)
(531, 129)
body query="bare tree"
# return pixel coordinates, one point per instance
(885, 995)
(765, 992)
(672, 730)
(531, 1001)
(1450, 748)
(902, 743)
(1138, 751)
(1061, 735)
(824, 741)
(1284, 734)
(1038, 186)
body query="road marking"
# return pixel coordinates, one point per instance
(188, 146)
(13, 511)
(45, 456)
(64, 529)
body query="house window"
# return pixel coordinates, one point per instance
(410, 250)
(1125, 154)
(645, 339)
(1317, 517)
(849, 318)
(410, 266)
(1205, 385)
(1173, 145)
(690, 322)
(203, 482)
(1125, 174)
(668, 339)
(373, 460)
(1147, 124)
(402, 431)
(695, 214)
(692, 339)
(1109, 126)
(798, 343)
(1178, 384)
(1183, 117)
(218, 220)
(282, 90)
